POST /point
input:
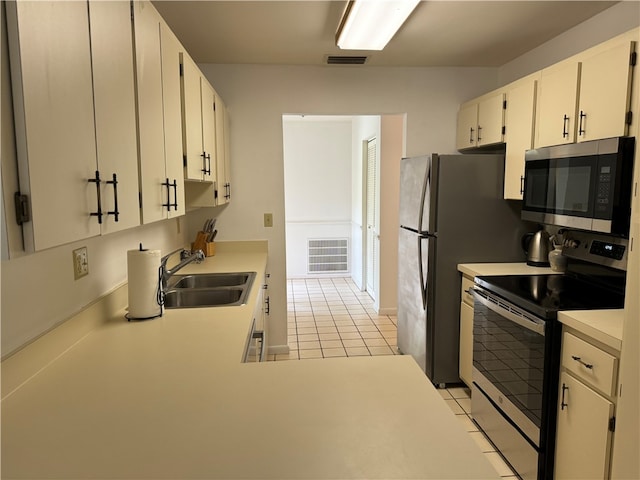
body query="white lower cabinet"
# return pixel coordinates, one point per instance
(466, 332)
(586, 409)
(466, 343)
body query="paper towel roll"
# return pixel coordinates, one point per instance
(143, 273)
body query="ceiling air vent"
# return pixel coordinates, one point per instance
(346, 60)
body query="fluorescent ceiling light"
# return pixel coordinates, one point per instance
(370, 24)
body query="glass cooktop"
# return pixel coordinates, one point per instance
(545, 295)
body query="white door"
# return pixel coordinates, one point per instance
(372, 240)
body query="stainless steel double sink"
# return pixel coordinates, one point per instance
(208, 289)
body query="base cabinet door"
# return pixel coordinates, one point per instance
(583, 437)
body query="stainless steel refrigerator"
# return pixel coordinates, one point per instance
(451, 211)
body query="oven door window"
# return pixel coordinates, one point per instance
(561, 186)
(511, 357)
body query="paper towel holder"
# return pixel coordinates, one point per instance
(159, 293)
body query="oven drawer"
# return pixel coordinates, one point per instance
(589, 363)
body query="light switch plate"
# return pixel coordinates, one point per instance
(268, 219)
(80, 263)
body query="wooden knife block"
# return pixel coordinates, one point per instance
(209, 248)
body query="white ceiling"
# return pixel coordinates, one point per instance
(302, 32)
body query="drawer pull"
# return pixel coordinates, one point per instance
(579, 360)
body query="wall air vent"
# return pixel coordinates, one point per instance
(328, 255)
(346, 60)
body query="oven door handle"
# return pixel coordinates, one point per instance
(508, 311)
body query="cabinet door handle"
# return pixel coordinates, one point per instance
(562, 402)
(479, 137)
(97, 181)
(521, 184)
(206, 163)
(565, 124)
(583, 116)
(581, 362)
(470, 134)
(267, 302)
(115, 212)
(175, 194)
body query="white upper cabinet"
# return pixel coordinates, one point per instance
(481, 122)
(198, 123)
(586, 97)
(519, 131)
(605, 91)
(114, 98)
(557, 104)
(208, 129)
(223, 157)
(161, 181)
(57, 126)
(172, 114)
(53, 105)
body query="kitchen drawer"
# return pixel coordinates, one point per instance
(590, 364)
(464, 296)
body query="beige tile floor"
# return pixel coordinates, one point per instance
(331, 317)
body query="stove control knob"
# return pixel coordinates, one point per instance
(572, 243)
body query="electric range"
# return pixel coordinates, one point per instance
(517, 342)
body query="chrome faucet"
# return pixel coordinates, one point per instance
(186, 257)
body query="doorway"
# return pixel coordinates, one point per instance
(328, 163)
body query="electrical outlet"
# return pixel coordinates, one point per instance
(80, 263)
(268, 219)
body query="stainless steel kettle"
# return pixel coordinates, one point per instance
(537, 247)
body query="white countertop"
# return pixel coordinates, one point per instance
(169, 398)
(602, 325)
(475, 269)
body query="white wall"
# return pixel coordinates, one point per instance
(392, 150)
(257, 96)
(39, 290)
(317, 169)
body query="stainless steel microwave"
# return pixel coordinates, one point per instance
(584, 185)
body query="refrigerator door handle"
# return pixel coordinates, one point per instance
(423, 195)
(423, 280)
